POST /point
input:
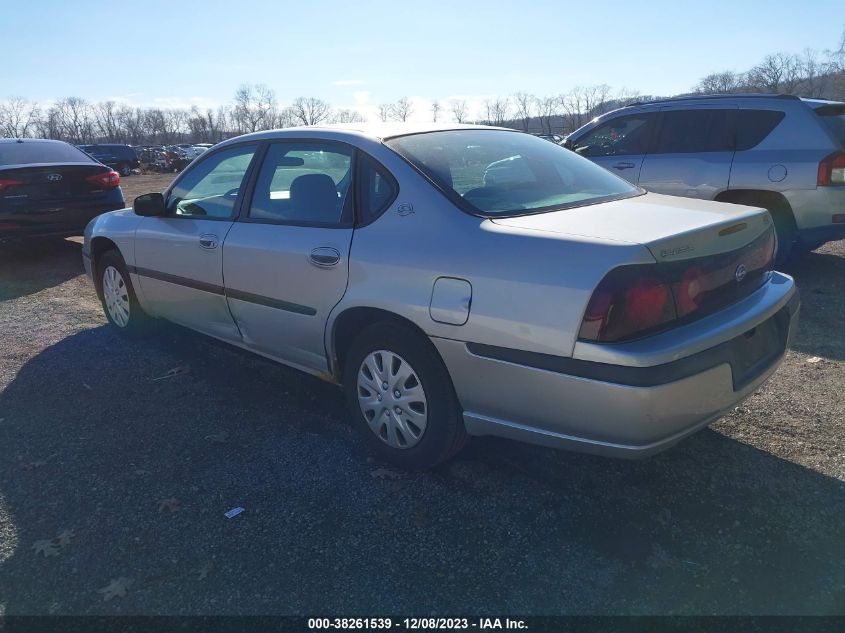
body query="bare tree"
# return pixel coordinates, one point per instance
(401, 110)
(724, 82)
(776, 73)
(108, 126)
(310, 110)
(18, 117)
(524, 104)
(435, 110)
(75, 120)
(384, 111)
(254, 108)
(458, 108)
(347, 116)
(547, 108)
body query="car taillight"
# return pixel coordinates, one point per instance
(108, 179)
(628, 302)
(832, 170)
(8, 182)
(642, 299)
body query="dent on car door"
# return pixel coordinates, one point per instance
(619, 145)
(179, 256)
(285, 260)
(692, 152)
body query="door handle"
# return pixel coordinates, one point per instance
(209, 241)
(623, 166)
(324, 256)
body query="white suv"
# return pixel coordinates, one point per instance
(779, 152)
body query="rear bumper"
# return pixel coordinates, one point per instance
(815, 237)
(59, 221)
(813, 210)
(631, 410)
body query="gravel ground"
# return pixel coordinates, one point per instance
(112, 481)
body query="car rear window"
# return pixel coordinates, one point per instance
(40, 152)
(755, 125)
(833, 116)
(500, 172)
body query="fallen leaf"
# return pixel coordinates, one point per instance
(141, 471)
(202, 572)
(117, 588)
(64, 538)
(175, 371)
(218, 438)
(384, 473)
(173, 505)
(87, 386)
(814, 359)
(33, 465)
(46, 547)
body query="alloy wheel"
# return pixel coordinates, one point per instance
(116, 296)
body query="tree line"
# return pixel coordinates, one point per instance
(255, 107)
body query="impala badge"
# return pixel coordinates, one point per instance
(740, 273)
(54, 177)
(405, 209)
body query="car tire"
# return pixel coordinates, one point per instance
(418, 407)
(117, 296)
(125, 169)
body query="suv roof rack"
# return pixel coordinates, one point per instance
(734, 95)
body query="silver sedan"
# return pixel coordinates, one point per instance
(456, 281)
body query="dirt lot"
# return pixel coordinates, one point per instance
(135, 474)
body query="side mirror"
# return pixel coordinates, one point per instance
(149, 205)
(567, 143)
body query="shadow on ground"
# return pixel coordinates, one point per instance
(30, 266)
(821, 280)
(91, 441)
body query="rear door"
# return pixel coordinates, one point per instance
(619, 144)
(179, 257)
(692, 151)
(286, 260)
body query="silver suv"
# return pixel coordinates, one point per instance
(779, 152)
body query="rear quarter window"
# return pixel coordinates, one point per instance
(833, 117)
(755, 125)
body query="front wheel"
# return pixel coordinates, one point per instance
(402, 398)
(117, 295)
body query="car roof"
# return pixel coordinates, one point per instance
(30, 140)
(378, 131)
(714, 97)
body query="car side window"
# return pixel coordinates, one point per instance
(376, 189)
(211, 187)
(304, 182)
(695, 131)
(621, 136)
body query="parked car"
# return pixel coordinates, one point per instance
(553, 138)
(121, 158)
(778, 152)
(570, 309)
(52, 188)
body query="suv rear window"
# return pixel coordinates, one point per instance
(40, 152)
(755, 125)
(833, 116)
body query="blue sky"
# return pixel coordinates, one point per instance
(175, 53)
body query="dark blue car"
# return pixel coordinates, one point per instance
(52, 188)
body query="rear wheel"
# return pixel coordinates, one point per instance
(125, 169)
(117, 295)
(402, 398)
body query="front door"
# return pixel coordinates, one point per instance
(692, 153)
(286, 260)
(179, 257)
(619, 145)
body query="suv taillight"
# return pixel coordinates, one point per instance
(108, 180)
(8, 182)
(641, 299)
(832, 170)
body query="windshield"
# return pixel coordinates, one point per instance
(499, 173)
